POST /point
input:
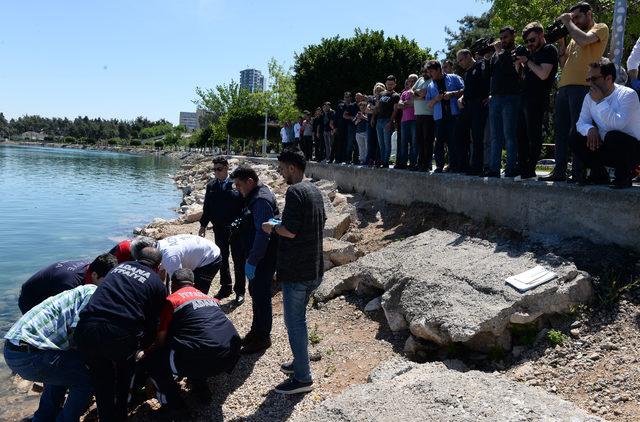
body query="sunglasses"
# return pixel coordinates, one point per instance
(593, 78)
(218, 168)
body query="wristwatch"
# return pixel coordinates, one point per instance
(273, 229)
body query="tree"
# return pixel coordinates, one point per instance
(470, 30)
(324, 71)
(4, 126)
(281, 96)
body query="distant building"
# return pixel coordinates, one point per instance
(33, 136)
(189, 120)
(252, 80)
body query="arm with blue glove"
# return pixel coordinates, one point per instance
(261, 212)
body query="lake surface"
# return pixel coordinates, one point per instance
(58, 204)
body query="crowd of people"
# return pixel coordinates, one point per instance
(499, 102)
(140, 316)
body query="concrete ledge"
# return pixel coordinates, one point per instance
(597, 213)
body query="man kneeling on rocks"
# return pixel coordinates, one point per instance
(195, 340)
(39, 348)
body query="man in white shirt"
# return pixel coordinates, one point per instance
(195, 253)
(608, 129)
(284, 135)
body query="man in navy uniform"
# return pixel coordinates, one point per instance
(120, 319)
(222, 205)
(261, 257)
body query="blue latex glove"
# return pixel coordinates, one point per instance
(275, 221)
(250, 271)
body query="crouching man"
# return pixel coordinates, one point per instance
(195, 340)
(39, 348)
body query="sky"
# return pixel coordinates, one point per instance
(123, 59)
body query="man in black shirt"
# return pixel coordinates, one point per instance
(540, 68)
(222, 205)
(475, 109)
(504, 106)
(62, 276)
(120, 318)
(386, 110)
(300, 263)
(328, 131)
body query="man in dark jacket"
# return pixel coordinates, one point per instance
(62, 276)
(195, 340)
(222, 205)
(260, 267)
(120, 318)
(300, 263)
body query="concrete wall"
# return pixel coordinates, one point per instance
(597, 213)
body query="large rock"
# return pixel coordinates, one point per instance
(338, 252)
(336, 225)
(405, 391)
(449, 288)
(192, 213)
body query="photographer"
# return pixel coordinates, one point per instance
(475, 109)
(540, 66)
(588, 42)
(505, 104)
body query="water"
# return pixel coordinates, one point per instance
(58, 204)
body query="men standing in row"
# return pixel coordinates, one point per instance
(262, 250)
(504, 107)
(195, 340)
(61, 276)
(608, 129)
(442, 95)
(588, 41)
(222, 205)
(300, 264)
(39, 348)
(475, 109)
(540, 67)
(120, 319)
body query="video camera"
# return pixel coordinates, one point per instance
(520, 50)
(482, 46)
(555, 31)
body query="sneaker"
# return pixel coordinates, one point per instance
(292, 386)
(287, 368)
(239, 300)
(255, 345)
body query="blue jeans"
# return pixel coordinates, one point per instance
(567, 111)
(295, 297)
(384, 140)
(408, 140)
(58, 371)
(504, 111)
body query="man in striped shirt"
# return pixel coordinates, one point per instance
(39, 347)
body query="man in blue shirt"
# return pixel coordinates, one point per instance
(260, 267)
(442, 95)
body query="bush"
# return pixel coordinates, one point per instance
(90, 141)
(114, 141)
(158, 144)
(48, 138)
(556, 337)
(69, 140)
(135, 143)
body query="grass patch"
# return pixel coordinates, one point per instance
(556, 337)
(314, 336)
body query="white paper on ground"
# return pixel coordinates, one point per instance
(531, 279)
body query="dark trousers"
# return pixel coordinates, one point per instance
(372, 144)
(446, 132)
(530, 136)
(163, 364)
(307, 147)
(204, 275)
(109, 352)
(425, 135)
(567, 111)
(260, 291)
(618, 150)
(470, 137)
(349, 141)
(236, 246)
(318, 148)
(336, 143)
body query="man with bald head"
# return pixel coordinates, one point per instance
(120, 319)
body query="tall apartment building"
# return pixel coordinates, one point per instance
(189, 120)
(252, 80)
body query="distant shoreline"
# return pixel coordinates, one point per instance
(107, 148)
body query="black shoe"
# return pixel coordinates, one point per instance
(438, 170)
(239, 300)
(495, 174)
(511, 175)
(621, 184)
(223, 293)
(287, 368)
(256, 345)
(291, 386)
(248, 338)
(552, 177)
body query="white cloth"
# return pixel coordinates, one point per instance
(283, 135)
(186, 251)
(634, 58)
(296, 130)
(619, 111)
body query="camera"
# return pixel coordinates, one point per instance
(520, 50)
(555, 31)
(482, 46)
